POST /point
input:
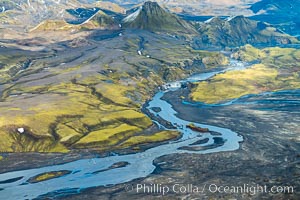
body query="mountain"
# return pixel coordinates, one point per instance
(99, 20)
(238, 31)
(289, 8)
(29, 14)
(282, 14)
(150, 16)
(200, 7)
(77, 15)
(107, 5)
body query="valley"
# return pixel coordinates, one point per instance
(69, 113)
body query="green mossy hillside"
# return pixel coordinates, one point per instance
(278, 70)
(73, 113)
(150, 16)
(91, 97)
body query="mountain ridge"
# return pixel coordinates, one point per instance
(238, 31)
(283, 14)
(31, 13)
(150, 16)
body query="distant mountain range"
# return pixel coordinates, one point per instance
(30, 13)
(282, 14)
(290, 8)
(238, 31)
(99, 20)
(200, 7)
(82, 15)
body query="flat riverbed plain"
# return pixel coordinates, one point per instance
(271, 128)
(117, 169)
(268, 122)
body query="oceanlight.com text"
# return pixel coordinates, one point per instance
(208, 188)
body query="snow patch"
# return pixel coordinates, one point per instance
(209, 20)
(29, 5)
(21, 130)
(132, 16)
(86, 21)
(57, 2)
(230, 18)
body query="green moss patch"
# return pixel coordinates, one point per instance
(279, 70)
(48, 176)
(147, 139)
(108, 136)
